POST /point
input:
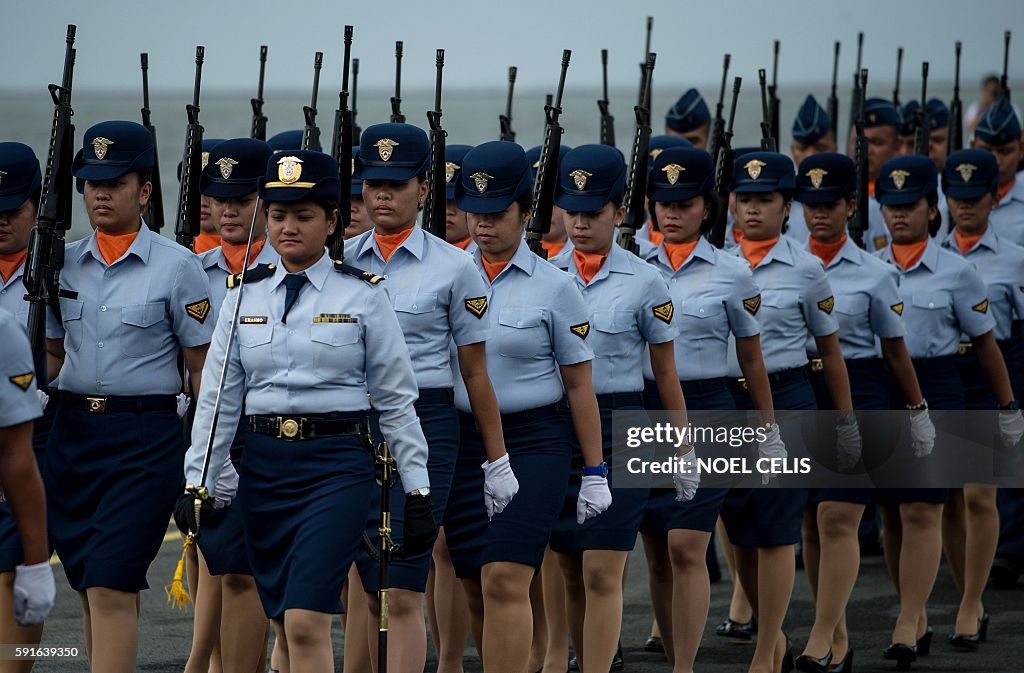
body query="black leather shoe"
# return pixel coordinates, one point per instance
(618, 663)
(902, 654)
(654, 644)
(844, 666)
(574, 664)
(969, 643)
(730, 629)
(924, 643)
(810, 664)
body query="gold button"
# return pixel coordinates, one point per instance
(289, 428)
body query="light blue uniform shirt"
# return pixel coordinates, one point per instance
(12, 295)
(124, 324)
(629, 307)
(943, 296)
(342, 342)
(19, 401)
(435, 291)
(877, 236)
(867, 302)
(216, 268)
(796, 301)
(538, 322)
(796, 228)
(714, 296)
(1000, 264)
(1008, 216)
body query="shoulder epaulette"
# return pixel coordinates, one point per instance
(257, 273)
(371, 278)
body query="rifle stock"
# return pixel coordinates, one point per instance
(435, 210)
(259, 120)
(636, 186)
(189, 207)
(547, 171)
(155, 211)
(723, 172)
(311, 132)
(505, 120)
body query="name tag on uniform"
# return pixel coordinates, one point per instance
(252, 320)
(334, 318)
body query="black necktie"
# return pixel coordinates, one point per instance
(293, 284)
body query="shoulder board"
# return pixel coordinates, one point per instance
(257, 273)
(370, 278)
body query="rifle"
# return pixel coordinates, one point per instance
(641, 99)
(636, 187)
(607, 120)
(899, 68)
(155, 210)
(356, 131)
(505, 120)
(956, 111)
(767, 138)
(859, 223)
(259, 120)
(341, 150)
(922, 119)
(1004, 80)
(311, 134)
(547, 171)
(833, 100)
(435, 210)
(46, 242)
(186, 226)
(773, 98)
(718, 123)
(396, 101)
(723, 172)
(855, 95)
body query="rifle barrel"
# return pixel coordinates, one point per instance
(899, 68)
(512, 71)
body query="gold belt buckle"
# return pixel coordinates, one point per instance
(742, 383)
(817, 365)
(289, 428)
(97, 405)
(963, 349)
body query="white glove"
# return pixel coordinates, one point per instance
(43, 399)
(686, 478)
(848, 445)
(771, 447)
(34, 593)
(922, 433)
(183, 402)
(500, 485)
(1011, 428)
(594, 498)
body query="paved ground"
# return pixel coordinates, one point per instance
(166, 633)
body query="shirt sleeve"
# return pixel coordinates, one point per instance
(190, 304)
(819, 302)
(656, 313)
(467, 308)
(568, 322)
(743, 304)
(970, 303)
(886, 313)
(19, 401)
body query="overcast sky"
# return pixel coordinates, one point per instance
(483, 38)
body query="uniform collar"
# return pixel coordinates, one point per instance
(930, 258)
(215, 258)
(523, 258)
(703, 250)
(617, 262)
(415, 244)
(140, 246)
(780, 252)
(849, 252)
(317, 274)
(1016, 192)
(988, 240)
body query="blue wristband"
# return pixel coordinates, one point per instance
(596, 471)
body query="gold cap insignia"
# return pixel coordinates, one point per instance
(477, 306)
(899, 178)
(536, 164)
(2, 174)
(754, 167)
(23, 381)
(579, 177)
(872, 117)
(385, 148)
(100, 145)
(655, 152)
(227, 164)
(352, 171)
(480, 180)
(897, 308)
(664, 312)
(817, 175)
(752, 304)
(581, 330)
(672, 172)
(205, 160)
(981, 307)
(289, 169)
(827, 304)
(966, 171)
(449, 170)
(198, 310)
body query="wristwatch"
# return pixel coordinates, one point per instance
(920, 406)
(420, 491)
(596, 471)
(1014, 405)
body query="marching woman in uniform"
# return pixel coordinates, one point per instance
(130, 302)
(867, 307)
(439, 297)
(714, 297)
(314, 339)
(796, 305)
(539, 360)
(970, 181)
(628, 308)
(943, 298)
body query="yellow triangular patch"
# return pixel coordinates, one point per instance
(198, 309)
(752, 304)
(981, 307)
(477, 306)
(897, 308)
(23, 381)
(664, 312)
(581, 330)
(827, 304)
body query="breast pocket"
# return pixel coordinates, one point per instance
(337, 349)
(612, 332)
(523, 334)
(932, 300)
(254, 345)
(852, 304)
(414, 311)
(139, 332)
(702, 319)
(71, 317)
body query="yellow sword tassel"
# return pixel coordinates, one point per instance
(176, 594)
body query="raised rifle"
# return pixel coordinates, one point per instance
(858, 224)
(899, 69)
(833, 99)
(723, 172)
(956, 111)
(855, 94)
(505, 120)
(356, 131)
(641, 100)
(547, 169)
(435, 209)
(186, 226)
(922, 119)
(259, 120)
(311, 133)
(341, 150)
(636, 185)
(607, 120)
(718, 123)
(773, 96)
(46, 242)
(767, 138)
(396, 101)
(155, 210)
(1004, 80)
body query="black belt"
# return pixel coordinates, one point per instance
(436, 396)
(314, 426)
(108, 404)
(528, 416)
(618, 400)
(703, 386)
(965, 348)
(785, 377)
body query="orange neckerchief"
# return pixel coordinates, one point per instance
(756, 251)
(388, 243)
(492, 269)
(204, 242)
(737, 234)
(965, 243)
(10, 262)
(871, 188)
(234, 252)
(1005, 188)
(656, 236)
(678, 253)
(463, 244)
(113, 247)
(588, 264)
(553, 247)
(826, 252)
(908, 254)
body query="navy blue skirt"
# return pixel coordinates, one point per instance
(11, 553)
(111, 484)
(303, 508)
(223, 538)
(978, 392)
(539, 445)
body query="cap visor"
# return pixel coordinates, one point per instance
(818, 196)
(899, 198)
(394, 173)
(12, 201)
(483, 205)
(757, 188)
(223, 190)
(97, 173)
(580, 203)
(671, 194)
(965, 192)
